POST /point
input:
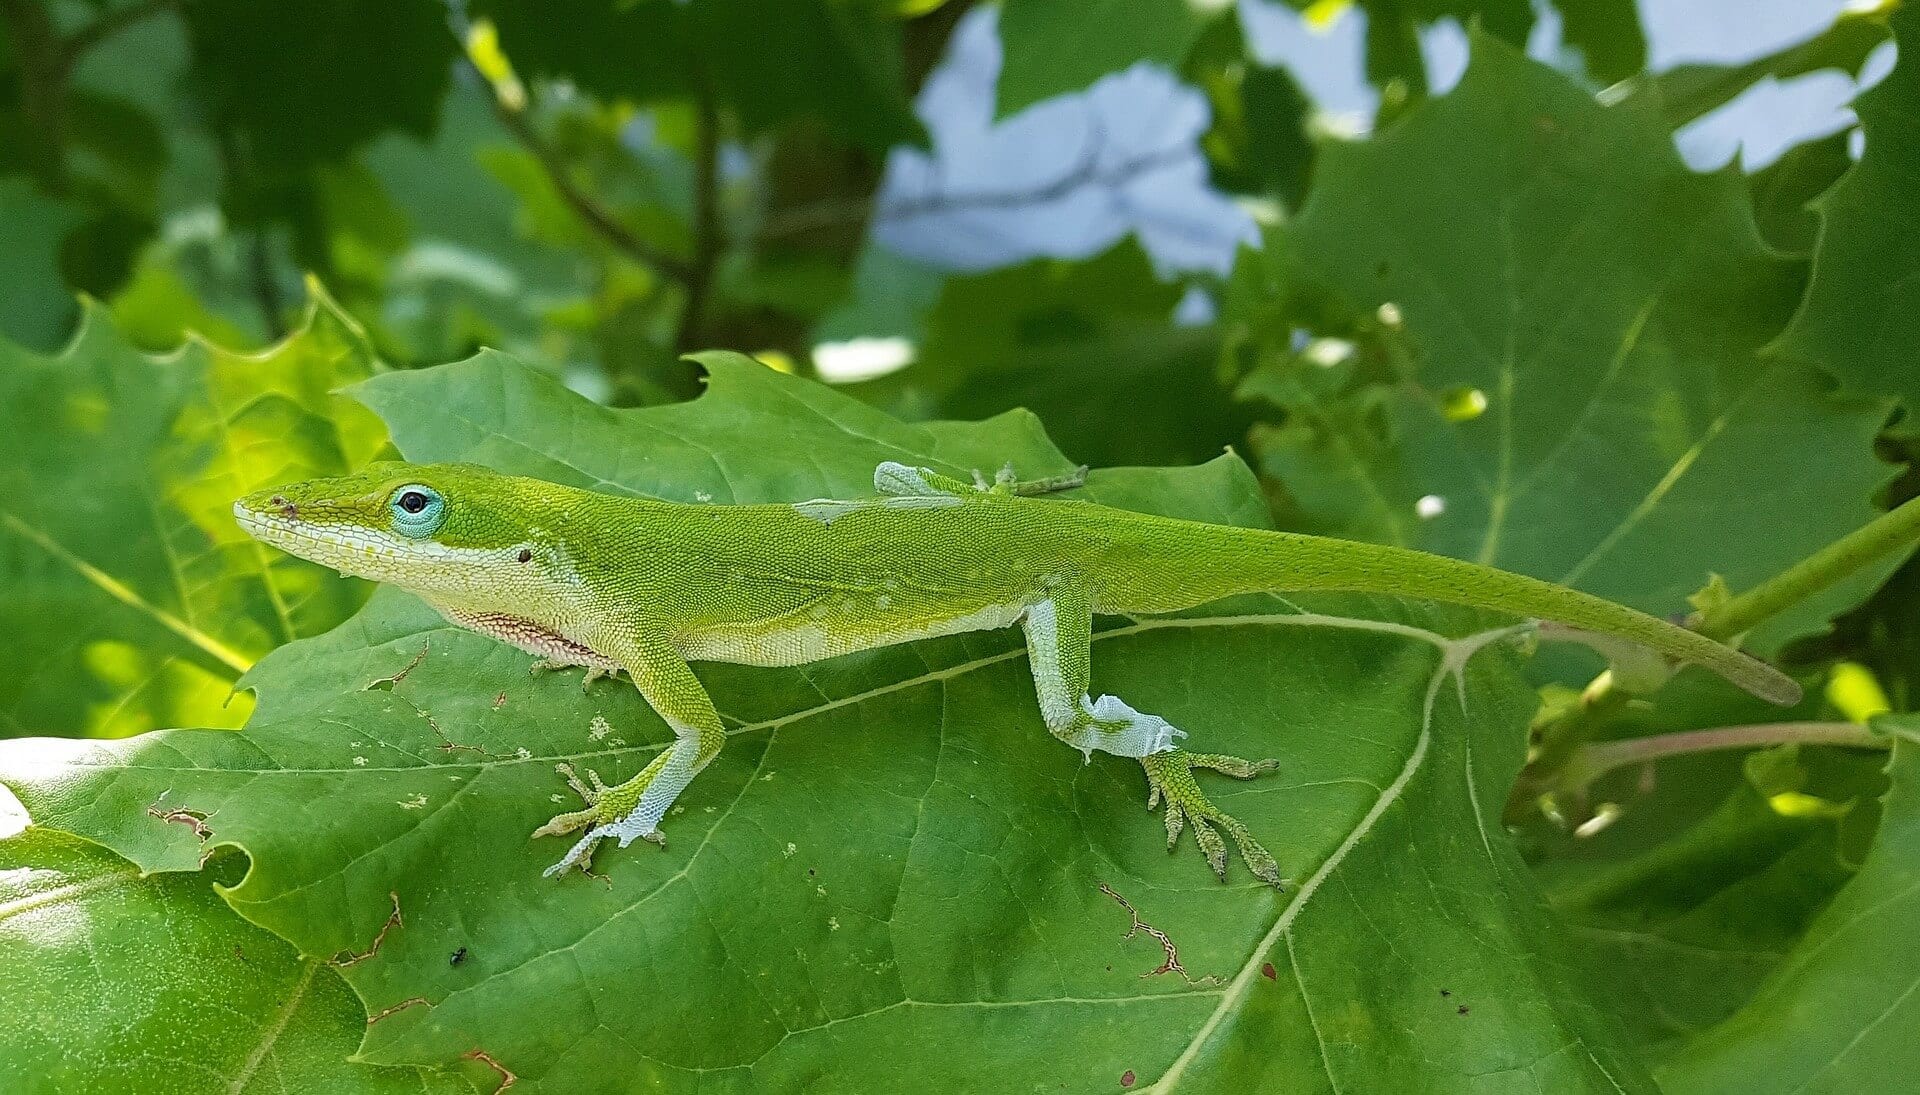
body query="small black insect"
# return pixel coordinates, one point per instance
(457, 957)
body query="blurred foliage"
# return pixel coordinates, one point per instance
(1504, 323)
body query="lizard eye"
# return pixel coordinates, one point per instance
(417, 510)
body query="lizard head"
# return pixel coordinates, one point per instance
(440, 529)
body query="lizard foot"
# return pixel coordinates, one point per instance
(553, 665)
(608, 814)
(1170, 775)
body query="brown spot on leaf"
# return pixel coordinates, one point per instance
(192, 819)
(1172, 963)
(1266, 971)
(1127, 1078)
(348, 958)
(410, 1002)
(386, 684)
(507, 1079)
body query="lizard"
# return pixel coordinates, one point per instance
(613, 583)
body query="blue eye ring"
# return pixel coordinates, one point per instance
(418, 510)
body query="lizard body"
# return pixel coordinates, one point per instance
(583, 578)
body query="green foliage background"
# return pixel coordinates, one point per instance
(278, 818)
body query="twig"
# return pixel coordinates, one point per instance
(584, 206)
(1084, 173)
(1891, 531)
(45, 61)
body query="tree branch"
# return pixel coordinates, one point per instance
(1085, 172)
(596, 216)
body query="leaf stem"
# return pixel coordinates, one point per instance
(1599, 758)
(1892, 530)
(1571, 771)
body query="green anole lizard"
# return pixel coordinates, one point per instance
(613, 583)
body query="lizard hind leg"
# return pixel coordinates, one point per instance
(1059, 630)
(633, 810)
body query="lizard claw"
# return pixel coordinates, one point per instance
(1170, 776)
(609, 813)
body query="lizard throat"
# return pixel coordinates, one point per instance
(525, 634)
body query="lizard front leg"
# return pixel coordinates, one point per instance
(632, 810)
(895, 480)
(1059, 630)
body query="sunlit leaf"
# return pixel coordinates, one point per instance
(133, 599)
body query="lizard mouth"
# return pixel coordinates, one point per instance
(344, 551)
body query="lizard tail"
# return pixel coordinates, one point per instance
(1229, 561)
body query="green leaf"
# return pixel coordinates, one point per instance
(1053, 47)
(35, 307)
(132, 598)
(1857, 320)
(1085, 345)
(1608, 35)
(892, 858)
(1838, 1014)
(1569, 370)
(116, 981)
(838, 62)
(1783, 193)
(770, 60)
(310, 80)
(1393, 50)
(1686, 92)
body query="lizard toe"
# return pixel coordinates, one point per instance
(1170, 777)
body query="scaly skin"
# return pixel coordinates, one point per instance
(606, 582)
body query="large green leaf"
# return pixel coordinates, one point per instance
(770, 60)
(1553, 263)
(1052, 47)
(310, 80)
(131, 598)
(116, 981)
(1857, 320)
(1839, 1013)
(892, 859)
